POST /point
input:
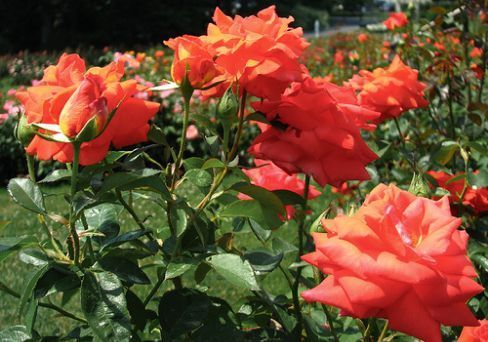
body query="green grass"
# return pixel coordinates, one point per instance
(15, 273)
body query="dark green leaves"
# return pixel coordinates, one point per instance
(126, 270)
(27, 194)
(104, 305)
(197, 316)
(263, 261)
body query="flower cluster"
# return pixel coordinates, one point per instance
(318, 127)
(258, 53)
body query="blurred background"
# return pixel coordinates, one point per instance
(55, 25)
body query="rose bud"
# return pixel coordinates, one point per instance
(85, 106)
(24, 132)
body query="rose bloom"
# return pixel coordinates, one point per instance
(269, 176)
(390, 91)
(396, 19)
(260, 51)
(476, 198)
(362, 37)
(475, 334)
(193, 58)
(316, 130)
(192, 132)
(69, 96)
(399, 257)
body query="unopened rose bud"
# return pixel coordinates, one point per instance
(24, 132)
(227, 106)
(86, 111)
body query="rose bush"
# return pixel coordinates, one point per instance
(158, 225)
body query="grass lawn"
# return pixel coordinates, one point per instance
(14, 272)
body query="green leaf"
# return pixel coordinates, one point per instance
(261, 233)
(178, 217)
(289, 197)
(57, 176)
(446, 152)
(28, 292)
(181, 311)
(267, 198)
(213, 163)
(281, 246)
(254, 210)
(234, 269)
(9, 245)
(27, 194)
(57, 279)
(200, 178)
(118, 240)
(33, 257)
(16, 333)
(262, 261)
(146, 179)
(156, 135)
(30, 314)
(126, 270)
(179, 266)
(104, 305)
(193, 163)
(137, 310)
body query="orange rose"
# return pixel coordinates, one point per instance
(316, 130)
(261, 52)
(475, 334)
(399, 257)
(69, 96)
(269, 176)
(193, 58)
(390, 91)
(84, 104)
(396, 19)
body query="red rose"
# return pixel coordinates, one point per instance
(315, 130)
(390, 91)
(269, 176)
(68, 95)
(396, 19)
(399, 257)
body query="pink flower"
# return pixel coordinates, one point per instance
(192, 132)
